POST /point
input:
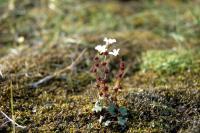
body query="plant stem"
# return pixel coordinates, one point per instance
(12, 109)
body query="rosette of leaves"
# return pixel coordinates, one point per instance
(112, 114)
(120, 113)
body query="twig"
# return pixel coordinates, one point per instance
(23, 127)
(71, 67)
(41, 81)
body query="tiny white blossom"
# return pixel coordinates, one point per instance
(101, 48)
(1, 74)
(97, 107)
(115, 52)
(20, 39)
(107, 123)
(109, 40)
(100, 119)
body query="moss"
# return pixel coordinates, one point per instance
(163, 109)
(169, 61)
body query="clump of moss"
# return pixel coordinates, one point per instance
(168, 61)
(163, 110)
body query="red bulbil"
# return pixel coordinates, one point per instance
(122, 68)
(100, 94)
(96, 58)
(97, 64)
(98, 86)
(104, 63)
(98, 79)
(122, 65)
(94, 70)
(120, 75)
(105, 88)
(116, 89)
(106, 71)
(120, 87)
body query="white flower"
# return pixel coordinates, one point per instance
(109, 40)
(100, 119)
(115, 52)
(101, 48)
(107, 123)
(20, 39)
(1, 74)
(97, 107)
(1, 69)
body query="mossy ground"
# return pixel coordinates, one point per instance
(161, 38)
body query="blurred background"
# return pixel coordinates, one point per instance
(38, 22)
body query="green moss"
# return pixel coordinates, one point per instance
(169, 61)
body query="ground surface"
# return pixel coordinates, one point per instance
(159, 42)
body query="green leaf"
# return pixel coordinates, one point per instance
(111, 109)
(123, 111)
(121, 121)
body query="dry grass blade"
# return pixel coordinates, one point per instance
(23, 127)
(71, 68)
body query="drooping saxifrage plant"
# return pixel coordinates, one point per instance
(106, 106)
